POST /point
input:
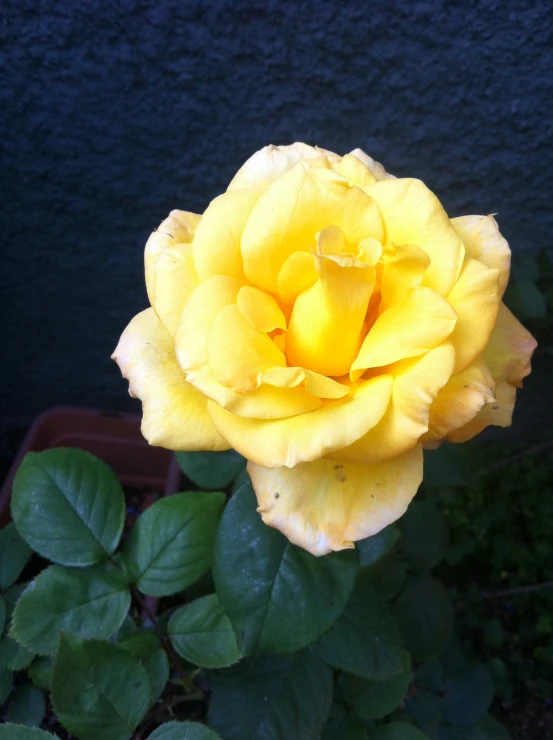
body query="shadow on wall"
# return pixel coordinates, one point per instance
(116, 113)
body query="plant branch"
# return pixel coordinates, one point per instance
(164, 640)
(513, 458)
(518, 590)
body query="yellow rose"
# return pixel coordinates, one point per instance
(326, 320)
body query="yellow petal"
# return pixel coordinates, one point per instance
(169, 266)
(324, 506)
(417, 382)
(353, 169)
(375, 167)
(460, 400)
(413, 215)
(498, 413)
(318, 385)
(510, 349)
(309, 436)
(476, 301)
(238, 354)
(292, 211)
(272, 161)
(198, 316)
(174, 412)
(217, 239)
(403, 271)
(327, 323)
(422, 321)
(265, 402)
(296, 275)
(483, 242)
(260, 309)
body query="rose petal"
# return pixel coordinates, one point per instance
(169, 266)
(324, 506)
(174, 412)
(475, 299)
(413, 215)
(483, 242)
(308, 436)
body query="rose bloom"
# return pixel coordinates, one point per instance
(327, 321)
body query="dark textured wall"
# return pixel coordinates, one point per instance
(115, 112)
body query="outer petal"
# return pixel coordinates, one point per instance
(498, 413)
(272, 161)
(413, 215)
(375, 167)
(217, 240)
(476, 301)
(482, 240)
(238, 354)
(408, 329)
(174, 412)
(292, 211)
(416, 384)
(510, 348)
(309, 436)
(460, 400)
(353, 168)
(324, 506)
(198, 316)
(169, 266)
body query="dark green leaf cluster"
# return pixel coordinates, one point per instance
(201, 622)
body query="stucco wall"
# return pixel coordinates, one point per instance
(115, 112)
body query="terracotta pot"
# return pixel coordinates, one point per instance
(115, 438)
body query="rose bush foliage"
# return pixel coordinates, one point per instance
(326, 320)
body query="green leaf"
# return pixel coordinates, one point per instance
(68, 506)
(40, 671)
(444, 466)
(526, 300)
(468, 693)
(17, 732)
(12, 654)
(342, 726)
(371, 549)
(424, 535)
(98, 690)
(425, 615)
(430, 676)
(26, 706)
(397, 731)
(488, 728)
(386, 576)
(171, 545)
(14, 554)
(211, 470)
(2, 615)
(375, 699)
(285, 697)
(202, 633)
(425, 708)
(145, 647)
(364, 640)
(6, 678)
(184, 731)
(87, 603)
(278, 597)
